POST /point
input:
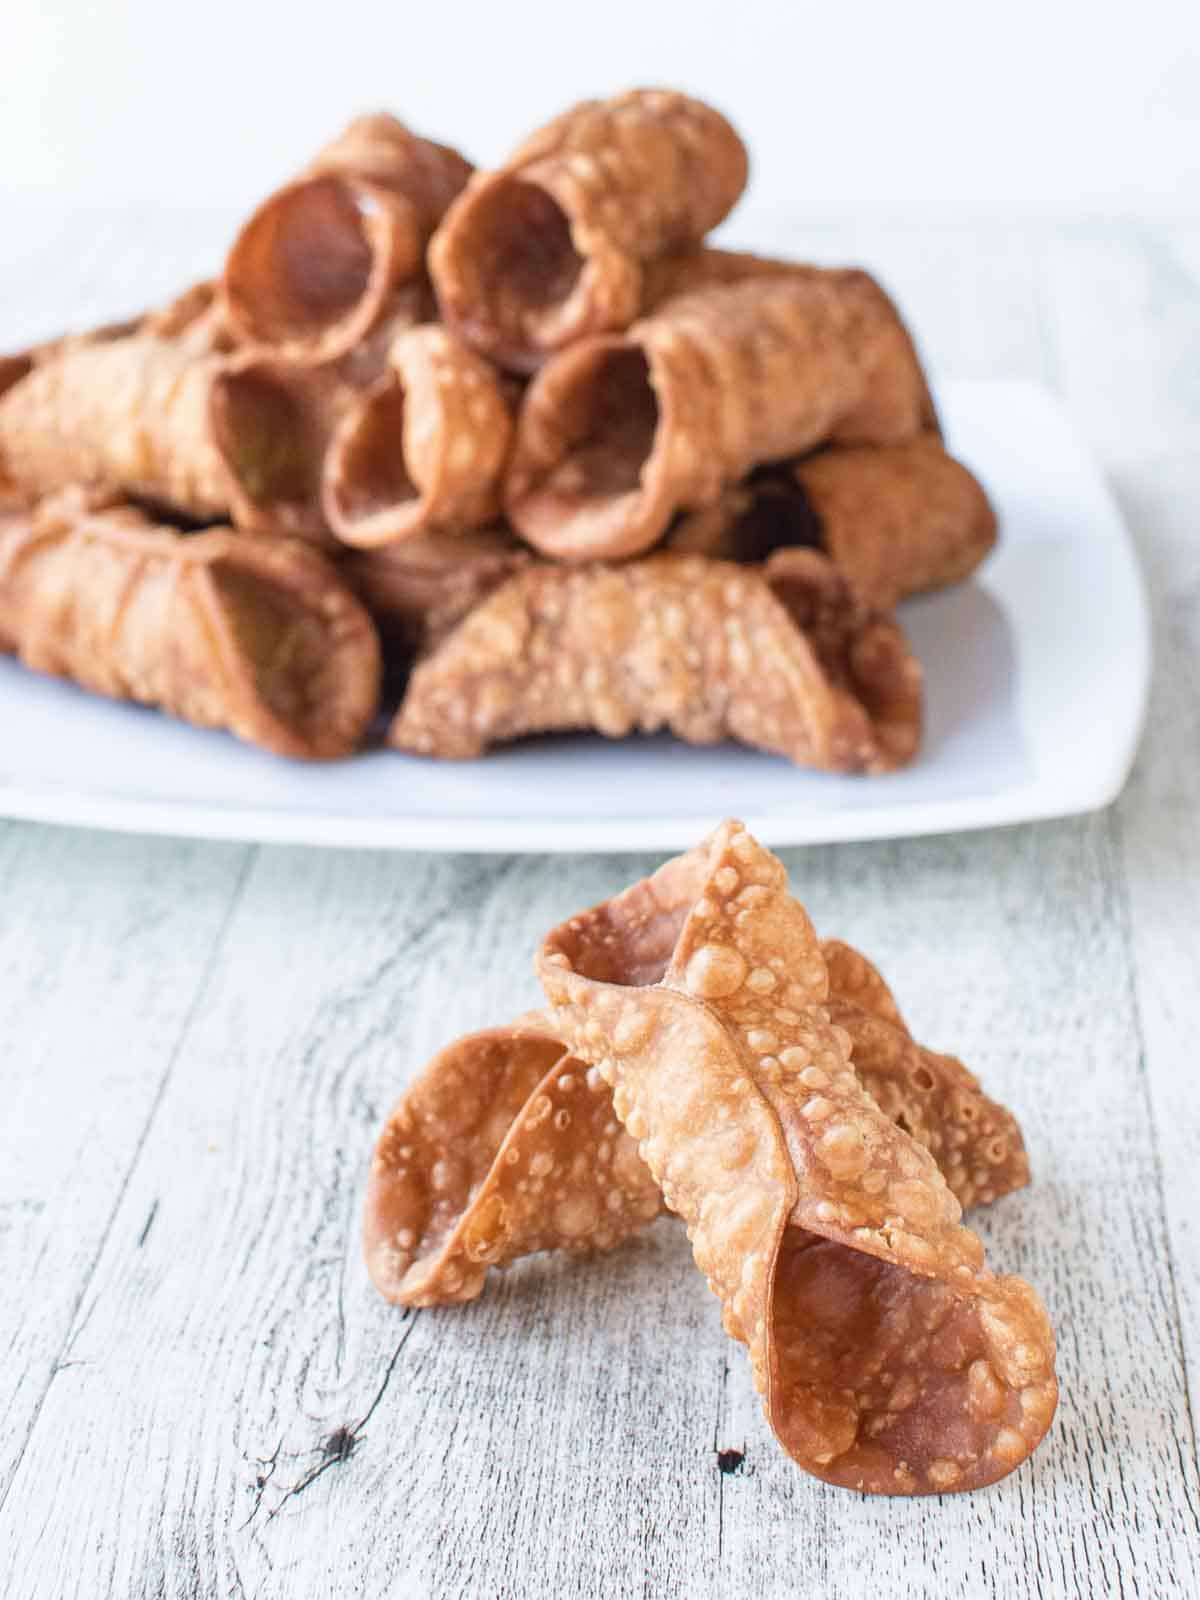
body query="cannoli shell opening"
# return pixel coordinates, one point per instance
(311, 271)
(598, 486)
(314, 663)
(508, 273)
(271, 424)
(862, 652)
(890, 1361)
(367, 487)
(848, 1326)
(459, 1115)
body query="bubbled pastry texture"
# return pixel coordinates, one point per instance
(890, 1360)
(787, 662)
(260, 636)
(564, 1174)
(622, 181)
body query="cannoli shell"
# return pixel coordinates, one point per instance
(506, 1145)
(890, 1360)
(130, 413)
(688, 271)
(315, 267)
(422, 448)
(272, 421)
(552, 246)
(783, 660)
(221, 629)
(900, 520)
(618, 434)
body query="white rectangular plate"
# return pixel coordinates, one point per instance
(1036, 676)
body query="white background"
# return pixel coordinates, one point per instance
(900, 107)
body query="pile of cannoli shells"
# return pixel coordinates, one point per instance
(702, 1052)
(520, 435)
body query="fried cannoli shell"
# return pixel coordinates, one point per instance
(783, 660)
(313, 270)
(529, 1155)
(688, 271)
(422, 448)
(895, 520)
(271, 422)
(128, 413)
(552, 246)
(503, 1146)
(224, 630)
(420, 589)
(618, 434)
(900, 520)
(889, 1359)
(975, 1141)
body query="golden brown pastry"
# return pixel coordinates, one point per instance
(781, 659)
(422, 448)
(619, 433)
(130, 413)
(319, 263)
(889, 1359)
(552, 246)
(900, 520)
(420, 589)
(506, 1144)
(273, 420)
(259, 636)
(686, 271)
(894, 519)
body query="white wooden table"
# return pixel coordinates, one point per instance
(201, 1395)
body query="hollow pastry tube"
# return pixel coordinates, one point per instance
(314, 268)
(260, 636)
(621, 432)
(272, 421)
(529, 1155)
(783, 660)
(890, 1360)
(422, 448)
(130, 413)
(552, 246)
(895, 519)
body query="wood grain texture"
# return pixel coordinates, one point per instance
(203, 1395)
(105, 948)
(1138, 397)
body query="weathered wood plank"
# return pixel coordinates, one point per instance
(1159, 822)
(105, 945)
(1138, 395)
(242, 1329)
